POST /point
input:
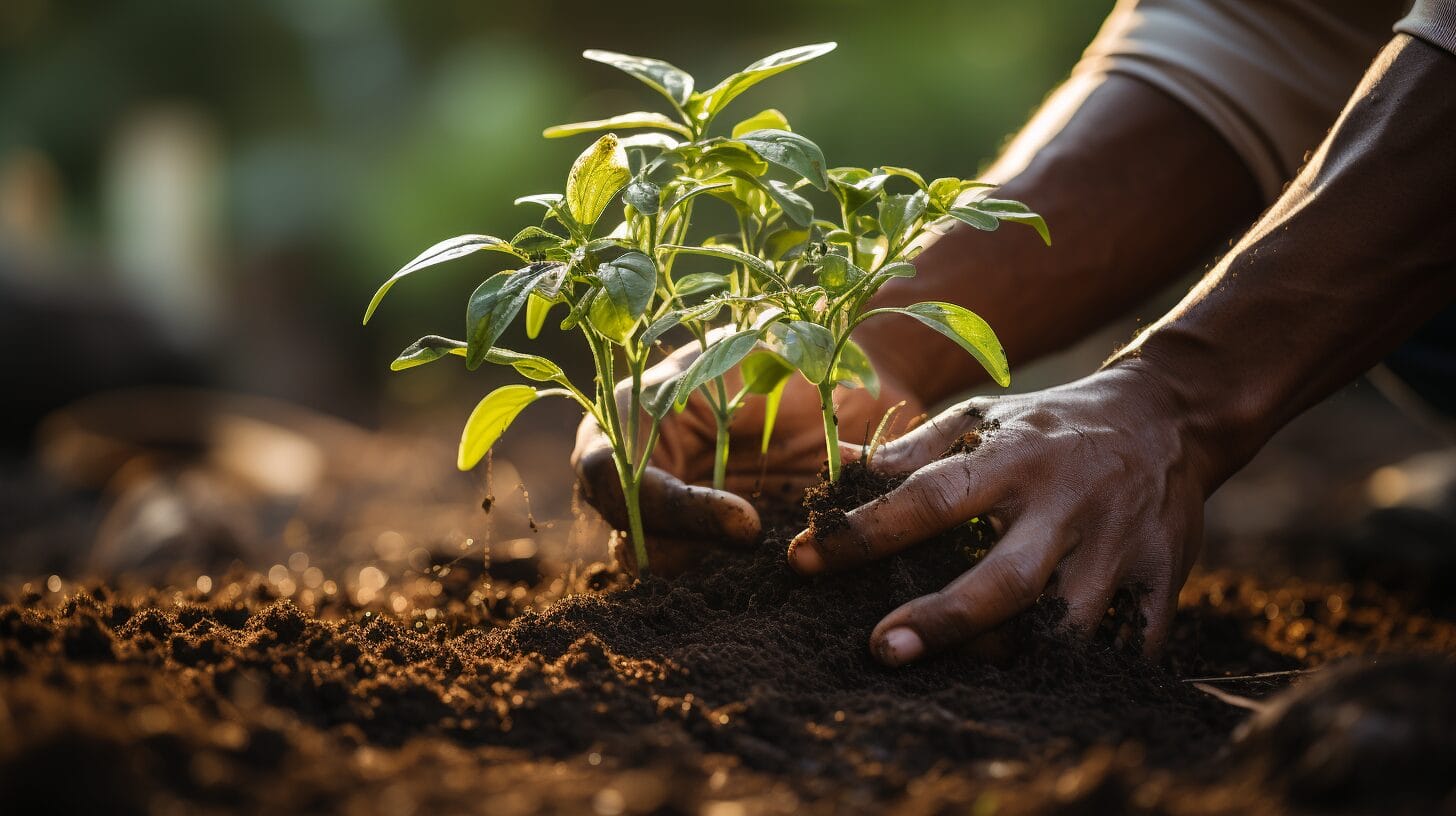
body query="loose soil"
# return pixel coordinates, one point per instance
(737, 687)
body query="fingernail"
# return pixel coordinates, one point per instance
(900, 646)
(802, 555)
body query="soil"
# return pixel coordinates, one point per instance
(736, 687)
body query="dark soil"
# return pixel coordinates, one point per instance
(735, 688)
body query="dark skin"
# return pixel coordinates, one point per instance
(1100, 484)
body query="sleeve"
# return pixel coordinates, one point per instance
(1270, 76)
(1433, 21)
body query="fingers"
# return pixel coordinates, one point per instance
(925, 443)
(1008, 581)
(671, 508)
(932, 500)
(1158, 608)
(1087, 582)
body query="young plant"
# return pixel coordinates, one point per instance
(616, 281)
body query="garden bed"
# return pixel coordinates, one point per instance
(735, 688)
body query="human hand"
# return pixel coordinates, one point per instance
(1092, 487)
(681, 515)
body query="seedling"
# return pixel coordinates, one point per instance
(620, 292)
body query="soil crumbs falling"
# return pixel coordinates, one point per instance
(737, 688)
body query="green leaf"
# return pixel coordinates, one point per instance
(795, 207)
(640, 119)
(496, 303)
(596, 177)
(684, 196)
(901, 214)
(807, 346)
(1007, 210)
(657, 398)
(856, 186)
(790, 151)
(905, 173)
(837, 274)
(785, 243)
(534, 241)
(964, 327)
(649, 141)
(548, 200)
(765, 372)
(698, 283)
(537, 308)
(755, 264)
(770, 119)
(490, 419)
(854, 369)
(668, 80)
(945, 191)
(530, 366)
(447, 250)
(706, 105)
(726, 156)
(627, 286)
(427, 350)
(713, 363)
(644, 196)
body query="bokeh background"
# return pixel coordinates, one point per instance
(205, 194)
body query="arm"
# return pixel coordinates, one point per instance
(1101, 484)
(1137, 189)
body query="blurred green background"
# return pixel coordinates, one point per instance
(245, 174)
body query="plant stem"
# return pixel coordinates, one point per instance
(831, 428)
(720, 458)
(631, 489)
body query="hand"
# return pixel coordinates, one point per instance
(682, 516)
(1091, 486)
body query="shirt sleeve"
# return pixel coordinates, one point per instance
(1433, 21)
(1269, 76)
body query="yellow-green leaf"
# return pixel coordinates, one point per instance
(598, 174)
(490, 419)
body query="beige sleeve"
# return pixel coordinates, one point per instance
(1269, 75)
(1433, 21)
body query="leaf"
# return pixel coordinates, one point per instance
(537, 308)
(490, 419)
(726, 156)
(795, 207)
(644, 196)
(763, 370)
(548, 200)
(899, 215)
(756, 264)
(534, 241)
(905, 173)
(854, 369)
(496, 303)
(975, 218)
(790, 151)
(447, 250)
(698, 283)
(770, 119)
(649, 141)
(722, 355)
(964, 327)
(785, 243)
(808, 346)
(627, 286)
(692, 192)
(945, 191)
(856, 186)
(771, 412)
(427, 350)
(1007, 210)
(706, 105)
(657, 399)
(530, 366)
(640, 119)
(837, 274)
(596, 177)
(665, 78)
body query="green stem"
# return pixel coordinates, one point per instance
(631, 489)
(720, 457)
(831, 429)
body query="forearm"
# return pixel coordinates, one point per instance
(1357, 254)
(1136, 189)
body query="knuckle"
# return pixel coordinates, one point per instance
(949, 615)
